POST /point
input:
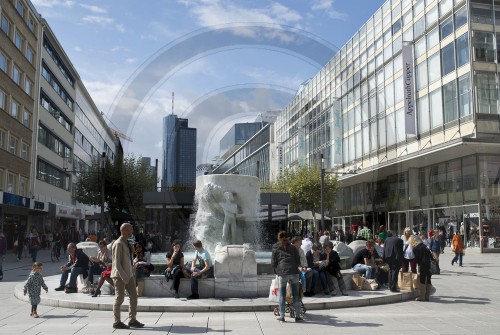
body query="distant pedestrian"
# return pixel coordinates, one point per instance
(20, 242)
(3, 251)
(34, 243)
(33, 287)
(457, 246)
(123, 277)
(393, 256)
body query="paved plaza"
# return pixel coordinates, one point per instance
(466, 301)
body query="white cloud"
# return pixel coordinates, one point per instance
(130, 60)
(326, 6)
(120, 28)
(77, 48)
(53, 3)
(94, 9)
(210, 13)
(101, 20)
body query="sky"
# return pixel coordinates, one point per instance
(226, 61)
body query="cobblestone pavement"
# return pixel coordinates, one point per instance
(466, 301)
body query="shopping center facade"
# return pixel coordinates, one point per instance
(409, 103)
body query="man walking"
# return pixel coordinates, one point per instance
(393, 255)
(123, 277)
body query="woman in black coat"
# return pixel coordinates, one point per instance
(333, 266)
(423, 258)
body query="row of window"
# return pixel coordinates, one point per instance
(441, 106)
(19, 40)
(54, 143)
(55, 57)
(27, 17)
(52, 108)
(52, 80)
(88, 124)
(52, 175)
(17, 75)
(15, 109)
(85, 144)
(14, 145)
(13, 183)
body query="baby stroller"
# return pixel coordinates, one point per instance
(289, 302)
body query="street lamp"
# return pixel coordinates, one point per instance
(102, 164)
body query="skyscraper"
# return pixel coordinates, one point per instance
(179, 152)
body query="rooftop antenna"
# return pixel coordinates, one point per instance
(172, 102)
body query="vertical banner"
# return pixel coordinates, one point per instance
(337, 133)
(409, 87)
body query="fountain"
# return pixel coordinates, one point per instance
(226, 221)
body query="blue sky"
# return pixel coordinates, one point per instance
(238, 58)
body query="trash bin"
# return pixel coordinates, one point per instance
(89, 248)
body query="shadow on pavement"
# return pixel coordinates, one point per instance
(67, 316)
(460, 300)
(333, 321)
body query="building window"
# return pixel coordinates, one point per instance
(487, 95)
(13, 145)
(16, 75)
(421, 71)
(55, 111)
(29, 54)
(484, 48)
(448, 59)
(52, 142)
(445, 6)
(450, 101)
(2, 179)
(31, 24)
(434, 67)
(52, 175)
(419, 27)
(2, 100)
(463, 50)
(14, 110)
(28, 86)
(25, 151)
(19, 41)
(461, 17)
(3, 62)
(5, 25)
(423, 114)
(27, 118)
(11, 183)
(436, 108)
(47, 74)
(23, 187)
(446, 27)
(3, 135)
(20, 8)
(482, 13)
(464, 91)
(433, 38)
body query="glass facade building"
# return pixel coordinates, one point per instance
(353, 112)
(237, 135)
(179, 152)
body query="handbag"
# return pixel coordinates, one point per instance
(273, 290)
(405, 281)
(435, 267)
(357, 282)
(289, 295)
(370, 285)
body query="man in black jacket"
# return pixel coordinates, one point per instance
(393, 255)
(285, 261)
(78, 263)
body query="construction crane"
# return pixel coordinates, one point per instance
(121, 135)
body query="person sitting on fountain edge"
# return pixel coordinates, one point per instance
(201, 267)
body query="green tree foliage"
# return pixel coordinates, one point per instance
(304, 185)
(125, 180)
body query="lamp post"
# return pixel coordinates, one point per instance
(102, 164)
(322, 225)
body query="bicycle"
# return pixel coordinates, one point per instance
(55, 252)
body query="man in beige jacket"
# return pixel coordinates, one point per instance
(122, 274)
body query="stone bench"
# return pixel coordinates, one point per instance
(157, 286)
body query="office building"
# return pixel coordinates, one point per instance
(410, 103)
(179, 153)
(236, 136)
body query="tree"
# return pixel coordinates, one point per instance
(304, 185)
(125, 180)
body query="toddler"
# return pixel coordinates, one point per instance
(34, 286)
